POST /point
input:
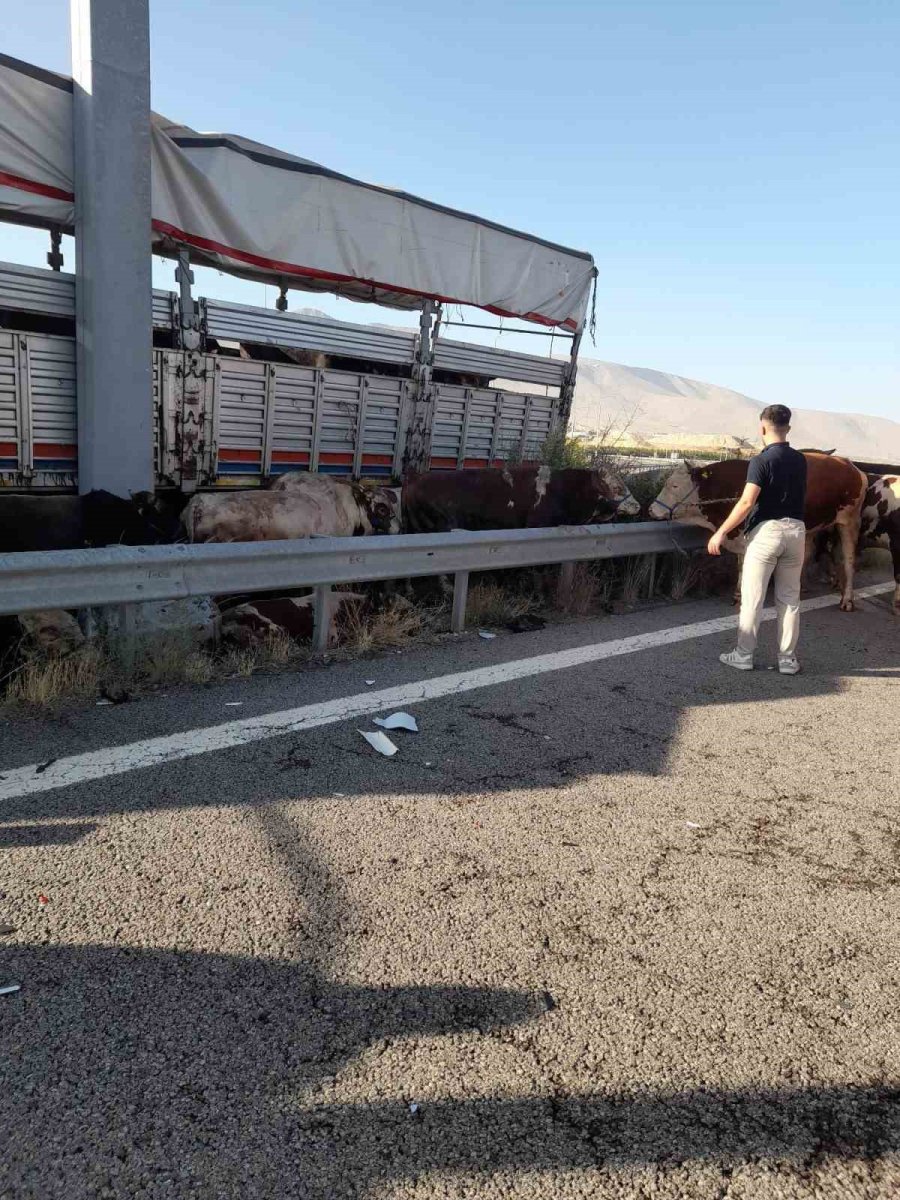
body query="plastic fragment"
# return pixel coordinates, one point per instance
(9, 988)
(102, 703)
(380, 742)
(692, 825)
(414, 1108)
(486, 634)
(369, 682)
(233, 703)
(399, 720)
(42, 899)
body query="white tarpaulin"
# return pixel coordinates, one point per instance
(257, 212)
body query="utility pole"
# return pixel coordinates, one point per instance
(113, 283)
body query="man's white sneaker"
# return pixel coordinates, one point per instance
(740, 662)
(788, 664)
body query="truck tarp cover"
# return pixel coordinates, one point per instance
(258, 212)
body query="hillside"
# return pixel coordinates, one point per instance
(649, 403)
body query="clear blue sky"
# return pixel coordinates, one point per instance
(733, 167)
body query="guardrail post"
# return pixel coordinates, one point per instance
(322, 618)
(460, 596)
(565, 584)
(651, 582)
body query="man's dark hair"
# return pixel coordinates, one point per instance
(777, 415)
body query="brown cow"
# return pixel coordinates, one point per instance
(705, 495)
(299, 505)
(513, 498)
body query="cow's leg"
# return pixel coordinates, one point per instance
(848, 526)
(895, 556)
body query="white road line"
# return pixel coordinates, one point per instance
(116, 760)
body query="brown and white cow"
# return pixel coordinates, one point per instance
(704, 496)
(880, 523)
(299, 505)
(513, 498)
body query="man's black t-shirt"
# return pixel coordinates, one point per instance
(780, 471)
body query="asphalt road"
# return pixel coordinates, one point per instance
(627, 929)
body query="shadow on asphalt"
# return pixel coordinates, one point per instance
(136, 1064)
(124, 1065)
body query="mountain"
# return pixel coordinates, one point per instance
(652, 404)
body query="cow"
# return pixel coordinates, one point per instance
(298, 505)
(95, 519)
(513, 498)
(880, 524)
(704, 495)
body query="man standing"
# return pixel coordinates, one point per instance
(772, 502)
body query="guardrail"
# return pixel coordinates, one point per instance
(124, 575)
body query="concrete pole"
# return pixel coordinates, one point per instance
(111, 72)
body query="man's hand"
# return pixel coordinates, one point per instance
(714, 546)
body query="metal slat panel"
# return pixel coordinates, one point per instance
(480, 426)
(52, 293)
(9, 407)
(54, 406)
(295, 411)
(341, 398)
(162, 309)
(242, 405)
(384, 402)
(449, 416)
(469, 359)
(245, 323)
(33, 289)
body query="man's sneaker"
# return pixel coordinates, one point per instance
(788, 664)
(740, 662)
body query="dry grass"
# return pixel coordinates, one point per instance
(637, 576)
(43, 682)
(591, 591)
(119, 668)
(394, 625)
(276, 650)
(686, 574)
(490, 603)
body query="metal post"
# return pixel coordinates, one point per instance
(567, 391)
(460, 596)
(190, 318)
(651, 582)
(322, 618)
(565, 584)
(55, 258)
(113, 296)
(418, 438)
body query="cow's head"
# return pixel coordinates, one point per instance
(680, 496)
(615, 490)
(383, 509)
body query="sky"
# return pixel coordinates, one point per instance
(733, 168)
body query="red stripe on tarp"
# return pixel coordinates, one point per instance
(476, 462)
(54, 450)
(228, 455)
(9, 450)
(337, 459)
(29, 185)
(443, 462)
(298, 456)
(284, 268)
(377, 460)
